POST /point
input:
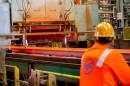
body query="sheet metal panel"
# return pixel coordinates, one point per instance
(4, 23)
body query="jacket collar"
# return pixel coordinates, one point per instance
(100, 46)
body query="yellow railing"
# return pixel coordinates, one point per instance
(60, 74)
(16, 75)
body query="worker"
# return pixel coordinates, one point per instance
(101, 65)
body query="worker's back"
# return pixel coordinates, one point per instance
(113, 70)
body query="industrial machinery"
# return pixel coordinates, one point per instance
(64, 63)
(46, 33)
(38, 29)
(117, 13)
(54, 26)
(107, 9)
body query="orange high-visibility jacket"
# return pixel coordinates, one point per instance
(108, 72)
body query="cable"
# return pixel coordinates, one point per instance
(26, 6)
(17, 4)
(34, 78)
(68, 11)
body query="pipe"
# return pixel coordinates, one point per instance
(65, 41)
(60, 74)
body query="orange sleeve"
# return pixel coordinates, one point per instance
(120, 68)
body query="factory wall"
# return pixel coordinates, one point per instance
(86, 18)
(80, 17)
(42, 9)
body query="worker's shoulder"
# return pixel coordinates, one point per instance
(115, 53)
(114, 57)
